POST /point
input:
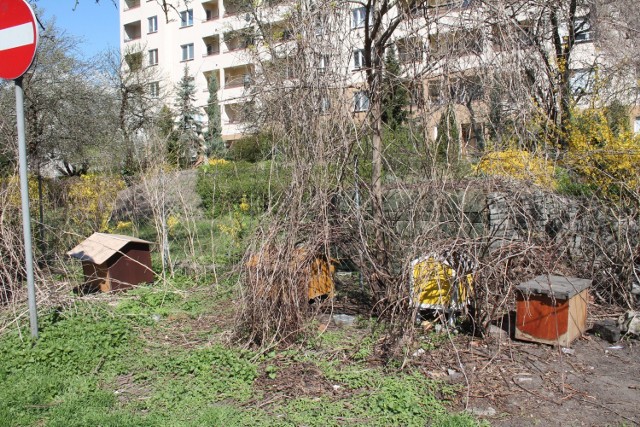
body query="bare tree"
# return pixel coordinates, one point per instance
(137, 87)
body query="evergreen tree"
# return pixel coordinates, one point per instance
(189, 128)
(165, 122)
(166, 127)
(215, 144)
(395, 97)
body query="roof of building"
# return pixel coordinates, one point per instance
(99, 247)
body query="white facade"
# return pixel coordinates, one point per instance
(193, 36)
(207, 37)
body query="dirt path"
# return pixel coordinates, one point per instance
(511, 383)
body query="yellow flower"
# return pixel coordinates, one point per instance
(217, 162)
(172, 222)
(244, 204)
(518, 164)
(124, 225)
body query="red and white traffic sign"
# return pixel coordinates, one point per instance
(18, 38)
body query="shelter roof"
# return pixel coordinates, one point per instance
(99, 247)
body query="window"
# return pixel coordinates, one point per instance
(154, 89)
(435, 91)
(212, 49)
(187, 52)
(325, 104)
(582, 30)
(134, 61)
(319, 26)
(636, 125)
(358, 59)
(153, 24)
(186, 18)
(581, 81)
(472, 137)
(358, 17)
(323, 63)
(153, 57)
(360, 101)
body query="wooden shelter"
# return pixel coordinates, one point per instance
(552, 309)
(113, 262)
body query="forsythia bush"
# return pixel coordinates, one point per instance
(10, 190)
(518, 164)
(607, 160)
(92, 198)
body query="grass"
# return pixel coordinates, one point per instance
(160, 355)
(154, 357)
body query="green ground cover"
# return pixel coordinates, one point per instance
(160, 356)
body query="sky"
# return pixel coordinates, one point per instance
(95, 26)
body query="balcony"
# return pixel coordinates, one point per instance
(239, 40)
(410, 50)
(211, 10)
(133, 61)
(132, 31)
(235, 7)
(235, 77)
(131, 4)
(237, 113)
(212, 44)
(208, 75)
(456, 43)
(279, 32)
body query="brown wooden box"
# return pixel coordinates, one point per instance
(551, 309)
(113, 262)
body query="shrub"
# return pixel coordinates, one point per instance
(518, 164)
(93, 199)
(603, 152)
(224, 185)
(250, 149)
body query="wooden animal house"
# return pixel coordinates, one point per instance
(314, 272)
(551, 309)
(113, 262)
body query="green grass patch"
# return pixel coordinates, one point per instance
(151, 360)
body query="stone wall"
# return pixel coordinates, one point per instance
(587, 237)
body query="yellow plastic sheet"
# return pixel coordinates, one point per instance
(433, 284)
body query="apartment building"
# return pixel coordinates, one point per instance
(451, 51)
(208, 37)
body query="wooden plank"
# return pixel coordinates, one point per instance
(541, 318)
(578, 315)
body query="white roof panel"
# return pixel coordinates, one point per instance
(99, 247)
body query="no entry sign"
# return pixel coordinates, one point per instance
(18, 38)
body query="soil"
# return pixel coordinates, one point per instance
(511, 383)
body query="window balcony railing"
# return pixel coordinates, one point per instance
(237, 81)
(211, 52)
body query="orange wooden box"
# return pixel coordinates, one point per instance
(551, 309)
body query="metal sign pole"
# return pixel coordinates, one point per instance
(26, 217)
